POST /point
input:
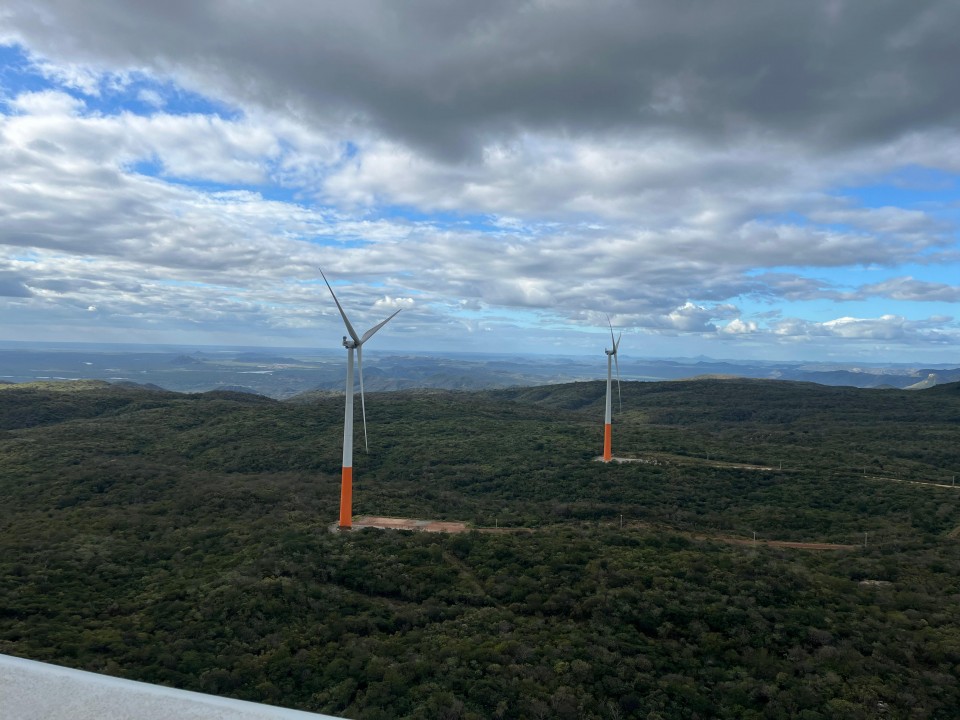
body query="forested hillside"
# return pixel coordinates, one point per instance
(184, 539)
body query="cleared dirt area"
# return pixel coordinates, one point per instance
(392, 523)
(454, 527)
(614, 458)
(678, 460)
(441, 526)
(931, 483)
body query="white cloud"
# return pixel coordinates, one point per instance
(47, 103)
(908, 288)
(882, 220)
(888, 328)
(151, 97)
(394, 303)
(468, 157)
(72, 75)
(739, 327)
(687, 318)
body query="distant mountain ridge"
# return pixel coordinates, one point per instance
(285, 374)
(914, 380)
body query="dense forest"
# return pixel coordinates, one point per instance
(185, 540)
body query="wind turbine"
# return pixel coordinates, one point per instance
(611, 359)
(354, 342)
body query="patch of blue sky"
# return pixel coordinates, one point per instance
(135, 92)
(471, 313)
(153, 167)
(825, 309)
(874, 307)
(18, 74)
(23, 255)
(943, 273)
(145, 95)
(267, 191)
(812, 310)
(907, 187)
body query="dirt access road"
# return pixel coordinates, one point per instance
(453, 527)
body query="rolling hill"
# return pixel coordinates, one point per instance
(183, 539)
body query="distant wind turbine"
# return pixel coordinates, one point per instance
(607, 417)
(354, 342)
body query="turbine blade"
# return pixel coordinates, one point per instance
(353, 333)
(363, 405)
(369, 333)
(613, 343)
(619, 396)
(617, 346)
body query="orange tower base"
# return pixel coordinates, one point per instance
(346, 498)
(606, 443)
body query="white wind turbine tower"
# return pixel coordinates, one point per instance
(354, 342)
(607, 417)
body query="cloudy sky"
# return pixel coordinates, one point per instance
(766, 180)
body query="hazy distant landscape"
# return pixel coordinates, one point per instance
(281, 373)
